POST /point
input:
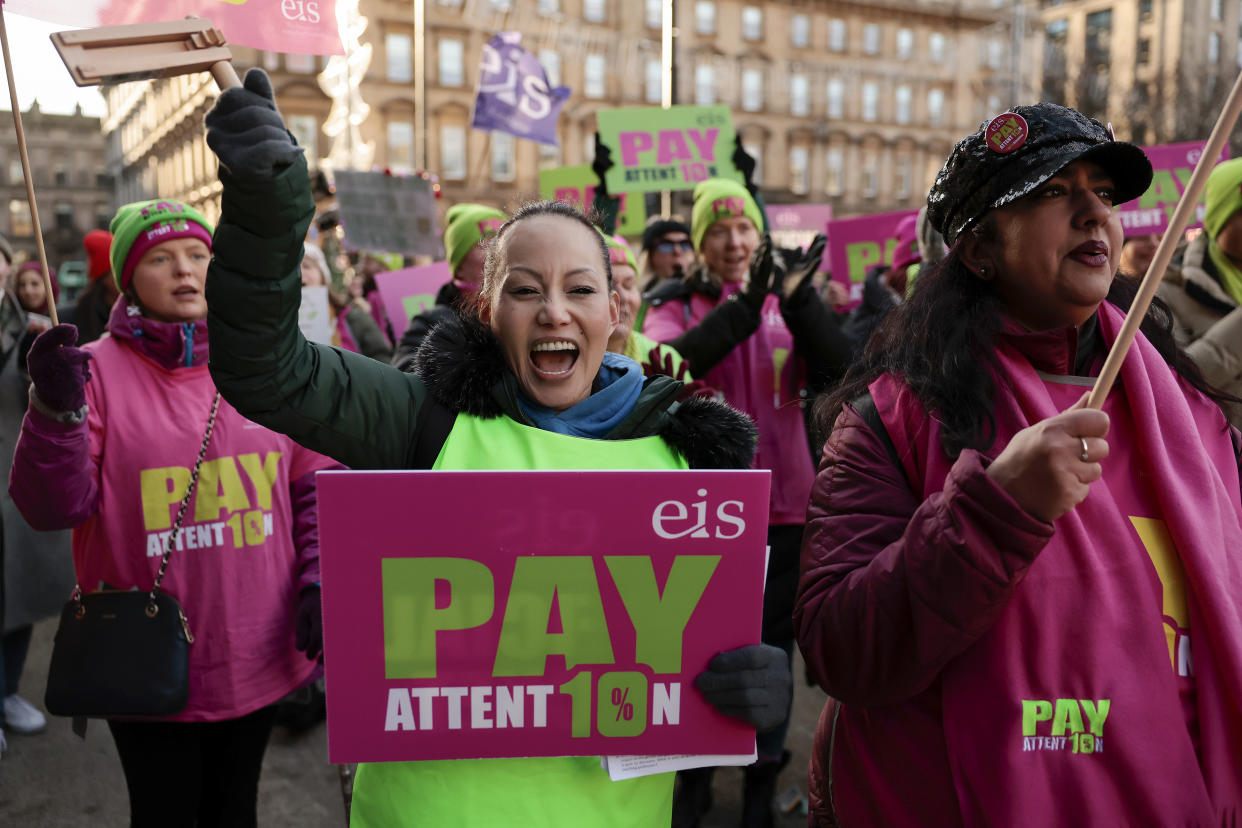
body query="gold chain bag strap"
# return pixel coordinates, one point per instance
(125, 653)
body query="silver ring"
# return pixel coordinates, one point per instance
(1083, 457)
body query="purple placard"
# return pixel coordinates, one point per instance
(1172, 165)
(410, 291)
(514, 95)
(855, 245)
(459, 588)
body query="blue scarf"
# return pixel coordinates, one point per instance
(620, 380)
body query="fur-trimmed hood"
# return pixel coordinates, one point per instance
(463, 368)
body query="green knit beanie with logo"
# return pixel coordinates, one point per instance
(720, 198)
(138, 227)
(1224, 195)
(465, 225)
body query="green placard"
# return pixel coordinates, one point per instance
(657, 149)
(576, 185)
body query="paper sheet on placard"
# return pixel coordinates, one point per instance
(632, 767)
(504, 613)
(314, 316)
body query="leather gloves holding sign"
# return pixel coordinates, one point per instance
(308, 627)
(797, 281)
(59, 373)
(246, 132)
(750, 683)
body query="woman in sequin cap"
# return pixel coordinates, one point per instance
(999, 587)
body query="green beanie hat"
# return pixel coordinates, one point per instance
(138, 227)
(619, 252)
(465, 225)
(1224, 195)
(720, 198)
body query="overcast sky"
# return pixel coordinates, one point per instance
(39, 71)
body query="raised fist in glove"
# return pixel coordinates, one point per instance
(308, 629)
(246, 132)
(602, 164)
(800, 268)
(58, 369)
(752, 683)
(763, 276)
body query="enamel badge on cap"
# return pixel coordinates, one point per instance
(1006, 132)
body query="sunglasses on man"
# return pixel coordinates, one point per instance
(672, 246)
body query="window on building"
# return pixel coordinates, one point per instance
(1213, 51)
(549, 7)
(871, 38)
(400, 146)
(452, 153)
(871, 177)
(271, 61)
(654, 17)
(752, 23)
(755, 151)
(504, 167)
(904, 175)
(870, 101)
(1145, 12)
(799, 170)
(996, 53)
(905, 44)
(935, 47)
(1056, 61)
(305, 129)
(799, 95)
(501, 5)
(64, 216)
(836, 98)
(15, 171)
(800, 31)
(398, 49)
(1216, 9)
(1143, 52)
(452, 63)
(588, 146)
(705, 17)
(302, 64)
(654, 87)
(551, 62)
(903, 100)
(593, 82)
(549, 156)
(19, 218)
(1239, 57)
(1099, 39)
(836, 35)
(704, 84)
(935, 107)
(595, 11)
(835, 183)
(752, 89)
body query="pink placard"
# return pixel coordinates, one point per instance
(796, 225)
(410, 291)
(300, 27)
(1172, 166)
(855, 245)
(495, 614)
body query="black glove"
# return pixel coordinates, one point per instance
(744, 162)
(763, 276)
(58, 369)
(601, 165)
(800, 273)
(308, 630)
(246, 132)
(754, 683)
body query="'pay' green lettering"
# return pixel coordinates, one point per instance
(262, 477)
(1068, 716)
(160, 489)
(1096, 714)
(411, 618)
(660, 620)
(1033, 712)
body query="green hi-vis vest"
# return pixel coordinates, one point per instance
(559, 792)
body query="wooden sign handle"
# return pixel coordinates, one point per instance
(224, 75)
(1168, 244)
(21, 149)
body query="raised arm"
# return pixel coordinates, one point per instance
(347, 406)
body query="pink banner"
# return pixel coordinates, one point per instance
(494, 614)
(301, 27)
(410, 291)
(856, 245)
(795, 225)
(1173, 165)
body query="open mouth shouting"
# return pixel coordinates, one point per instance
(553, 358)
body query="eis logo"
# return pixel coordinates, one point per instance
(673, 519)
(1076, 725)
(306, 11)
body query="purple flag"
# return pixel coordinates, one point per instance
(514, 95)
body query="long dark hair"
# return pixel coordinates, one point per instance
(940, 343)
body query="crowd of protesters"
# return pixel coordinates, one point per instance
(996, 585)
